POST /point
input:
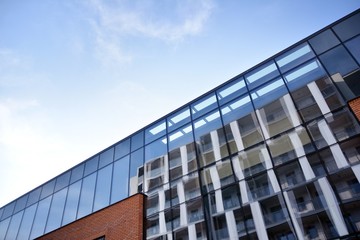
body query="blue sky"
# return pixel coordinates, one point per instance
(77, 76)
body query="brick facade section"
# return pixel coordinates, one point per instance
(122, 220)
(355, 106)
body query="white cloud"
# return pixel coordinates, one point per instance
(169, 21)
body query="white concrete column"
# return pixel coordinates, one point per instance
(162, 223)
(231, 224)
(215, 144)
(290, 109)
(297, 144)
(215, 177)
(333, 207)
(292, 211)
(166, 168)
(356, 170)
(338, 156)
(183, 215)
(319, 99)
(237, 168)
(265, 157)
(243, 191)
(192, 231)
(259, 113)
(273, 180)
(184, 164)
(161, 195)
(180, 191)
(219, 201)
(306, 168)
(258, 221)
(326, 132)
(236, 134)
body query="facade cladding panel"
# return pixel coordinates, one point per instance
(273, 153)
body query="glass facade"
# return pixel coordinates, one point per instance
(273, 153)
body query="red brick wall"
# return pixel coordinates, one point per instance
(355, 106)
(123, 220)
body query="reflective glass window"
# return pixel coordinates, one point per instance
(251, 161)
(8, 210)
(210, 138)
(261, 75)
(321, 133)
(290, 175)
(20, 203)
(155, 131)
(259, 186)
(182, 160)
(103, 187)
(122, 149)
(346, 184)
(194, 209)
(203, 105)
(185, 188)
(290, 145)
(268, 93)
(40, 218)
(3, 227)
(14, 225)
(217, 176)
(155, 149)
(221, 200)
(72, 201)
(47, 189)
(180, 137)
(294, 57)
(178, 119)
(348, 28)
(342, 124)
(91, 165)
(1, 211)
(26, 223)
(274, 212)
(231, 90)
(77, 173)
(304, 74)
(236, 109)
(120, 181)
(106, 157)
(324, 41)
(351, 149)
(354, 47)
(338, 60)
(62, 181)
(137, 141)
(56, 210)
(87, 195)
(156, 173)
(33, 196)
(136, 171)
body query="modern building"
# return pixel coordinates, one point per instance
(273, 153)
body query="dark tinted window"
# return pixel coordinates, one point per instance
(91, 165)
(56, 210)
(354, 48)
(103, 185)
(14, 225)
(77, 173)
(348, 28)
(106, 157)
(137, 141)
(62, 181)
(87, 195)
(120, 181)
(48, 189)
(324, 41)
(34, 196)
(21, 203)
(26, 222)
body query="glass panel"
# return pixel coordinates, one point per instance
(251, 161)
(274, 212)
(87, 196)
(136, 171)
(26, 223)
(181, 137)
(155, 131)
(8, 210)
(294, 57)
(342, 124)
(185, 188)
(354, 47)
(156, 173)
(47, 189)
(290, 145)
(231, 90)
(351, 149)
(324, 41)
(103, 185)
(62, 181)
(122, 149)
(178, 119)
(91, 165)
(261, 75)
(194, 210)
(56, 210)
(203, 105)
(217, 176)
(77, 173)
(72, 201)
(259, 186)
(14, 226)
(40, 218)
(120, 181)
(210, 138)
(278, 116)
(304, 74)
(20, 203)
(338, 60)
(137, 141)
(290, 175)
(155, 149)
(348, 28)
(106, 157)
(346, 184)
(3, 228)
(237, 109)
(182, 160)
(269, 92)
(34, 196)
